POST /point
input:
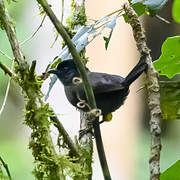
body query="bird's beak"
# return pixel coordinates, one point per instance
(53, 71)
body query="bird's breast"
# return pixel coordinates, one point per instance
(107, 102)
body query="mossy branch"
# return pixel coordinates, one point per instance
(77, 16)
(153, 90)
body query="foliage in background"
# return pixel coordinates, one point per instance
(175, 11)
(172, 172)
(169, 62)
(170, 99)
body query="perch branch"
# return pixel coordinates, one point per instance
(86, 140)
(153, 94)
(87, 88)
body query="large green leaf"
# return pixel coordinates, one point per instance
(172, 173)
(169, 62)
(139, 8)
(175, 10)
(170, 99)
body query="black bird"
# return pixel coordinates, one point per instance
(110, 91)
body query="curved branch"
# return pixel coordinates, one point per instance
(87, 88)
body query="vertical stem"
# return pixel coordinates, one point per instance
(86, 142)
(153, 90)
(87, 88)
(77, 11)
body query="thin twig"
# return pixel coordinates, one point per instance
(7, 91)
(5, 69)
(56, 38)
(4, 54)
(29, 38)
(6, 168)
(153, 90)
(162, 19)
(62, 11)
(117, 11)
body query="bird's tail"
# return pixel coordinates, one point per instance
(140, 67)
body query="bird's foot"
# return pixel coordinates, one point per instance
(93, 114)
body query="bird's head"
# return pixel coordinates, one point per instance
(65, 71)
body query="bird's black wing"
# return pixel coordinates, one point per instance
(103, 83)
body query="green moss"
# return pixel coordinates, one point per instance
(77, 17)
(37, 118)
(48, 164)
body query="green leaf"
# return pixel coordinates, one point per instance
(139, 8)
(56, 60)
(169, 62)
(172, 172)
(175, 10)
(125, 18)
(106, 41)
(110, 25)
(170, 99)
